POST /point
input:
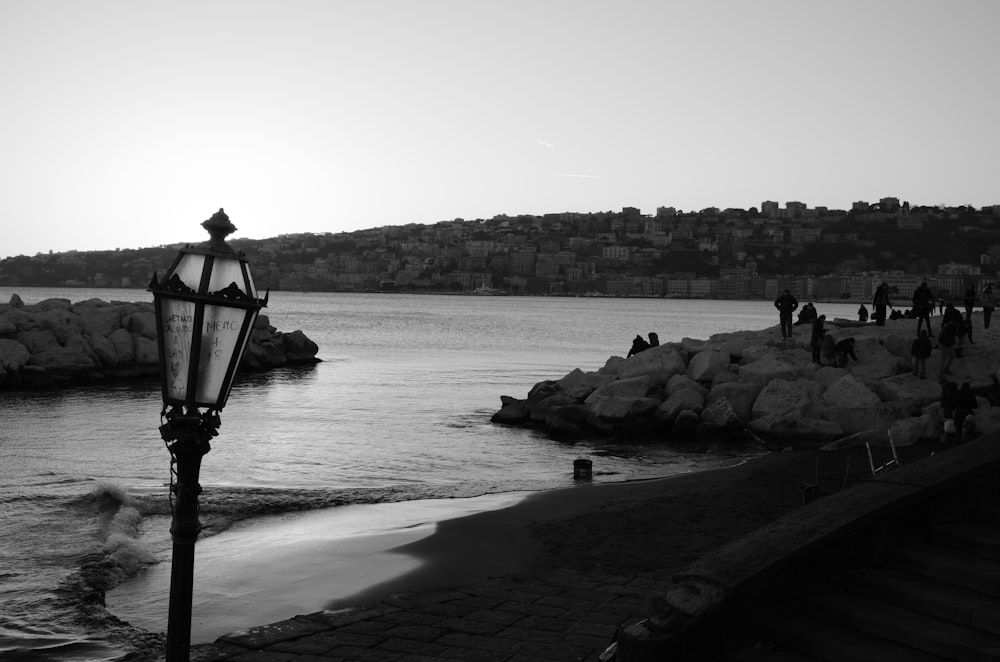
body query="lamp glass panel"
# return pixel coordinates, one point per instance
(177, 329)
(218, 344)
(226, 271)
(189, 269)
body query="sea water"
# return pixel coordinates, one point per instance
(397, 411)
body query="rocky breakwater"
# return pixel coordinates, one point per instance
(56, 342)
(753, 386)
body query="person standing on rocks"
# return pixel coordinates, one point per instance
(880, 301)
(988, 305)
(923, 306)
(786, 305)
(920, 351)
(969, 301)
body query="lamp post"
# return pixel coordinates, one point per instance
(206, 306)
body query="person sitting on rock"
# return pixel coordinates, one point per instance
(638, 345)
(843, 350)
(654, 340)
(862, 313)
(806, 315)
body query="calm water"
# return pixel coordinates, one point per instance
(398, 410)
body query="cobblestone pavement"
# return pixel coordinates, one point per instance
(567, 616)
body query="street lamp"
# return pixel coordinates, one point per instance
(206, 306)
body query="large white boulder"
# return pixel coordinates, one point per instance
(659, 363)
(876, 417)
(720, 414)
(704, 365)
(686, 399)
(579, 384)
(753, 353)
(794, 430)
(780, 397)
(908, 388)
(875, 361)
(146, 352)
(740, 396)
(849, 392)
(123, 344)
(909, 431)
(768, 369)
(987, 419)
(678, 382)
(898, 345)
(622, 398)
(99, 320)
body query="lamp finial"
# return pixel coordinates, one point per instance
(218, 227)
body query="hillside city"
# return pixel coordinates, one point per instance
(817, 253)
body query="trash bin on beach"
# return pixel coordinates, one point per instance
(583, 469)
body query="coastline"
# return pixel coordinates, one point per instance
(652, 527)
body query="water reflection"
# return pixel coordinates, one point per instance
(285, 375)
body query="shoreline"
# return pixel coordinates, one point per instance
(656, 525)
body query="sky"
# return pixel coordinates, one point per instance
(126, 124)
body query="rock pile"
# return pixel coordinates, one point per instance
(56, 342)
(753, 385)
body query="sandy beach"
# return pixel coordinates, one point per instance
(352, 556)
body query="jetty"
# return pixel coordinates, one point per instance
(754, 386)
(57, 343)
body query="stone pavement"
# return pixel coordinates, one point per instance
(567, 616)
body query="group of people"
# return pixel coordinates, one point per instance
(957, 408)
(825, 349)
(640, 344)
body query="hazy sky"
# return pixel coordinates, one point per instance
(126, 124)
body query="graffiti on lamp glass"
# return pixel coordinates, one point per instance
(213, 348)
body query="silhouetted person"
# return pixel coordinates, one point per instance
(654, 340)
(786, 305)
(951, 315)
(946, 341)
(988, 305)
(844, 349)
(923, 306)
(806, 314)
(920, 351)
(862, 313)
(969, 301)
(880, 301)
(638, 345)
